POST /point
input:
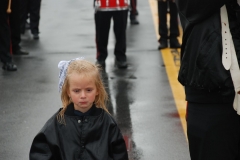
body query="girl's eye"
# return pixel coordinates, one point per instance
(76, 90)
(89, 90)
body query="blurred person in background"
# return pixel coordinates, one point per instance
(166, 32)
(133, 12)
(14, 24)
(30, 9)
(105, 11)
(9, 34)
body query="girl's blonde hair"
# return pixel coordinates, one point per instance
(84, 68)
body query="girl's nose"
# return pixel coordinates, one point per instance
(83, 94)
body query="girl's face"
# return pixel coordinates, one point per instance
(82, 91)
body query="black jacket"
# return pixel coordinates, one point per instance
(201, 70)
(93, 137)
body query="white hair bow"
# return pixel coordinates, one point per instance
(63, 65)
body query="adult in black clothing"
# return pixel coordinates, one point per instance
(210, 28)
(5, 56)
(103, 17)
(14, 23)
(133, 12)
(31, 9)
(173, 32)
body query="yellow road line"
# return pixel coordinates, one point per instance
(172, 71)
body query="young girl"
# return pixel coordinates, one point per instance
(82, 128)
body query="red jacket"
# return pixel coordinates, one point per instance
(111, 5)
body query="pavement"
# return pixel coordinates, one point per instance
(141, 97)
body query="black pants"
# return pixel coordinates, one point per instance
(14, 22)
(213, 132)
(133, 4)
(103, 22)
(5, 36)
(31, 9)
(162, 15)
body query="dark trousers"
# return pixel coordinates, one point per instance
(162, 15)
(5, 36)
(103, 23)
(31, 9)
(133, 4)
(14, 22)
(213, 132)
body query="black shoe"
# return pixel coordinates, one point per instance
(121, 64)
(163, 44)
(35, 36)
(101, 63)
(133, 20)
(174, 43)
(9, 66)
(20, 52)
